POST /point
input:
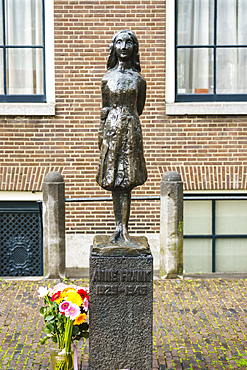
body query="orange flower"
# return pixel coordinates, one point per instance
(80, 319)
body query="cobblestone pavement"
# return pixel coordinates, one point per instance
(198, 324)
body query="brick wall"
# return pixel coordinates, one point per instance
(209, 152)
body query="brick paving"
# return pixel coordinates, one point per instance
(198, 324)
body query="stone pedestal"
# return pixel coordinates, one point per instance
(121, 306)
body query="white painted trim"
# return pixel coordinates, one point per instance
(170, 51)
(199, 108)
(206, 108)
(27, 109)
(40, 109)
(49, 52)
(216, 192)
(20, 196)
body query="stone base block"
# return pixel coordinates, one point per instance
(121, 312)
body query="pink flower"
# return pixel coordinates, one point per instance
(73, 311)
(58, 288)
(64, 306)
(85, 304)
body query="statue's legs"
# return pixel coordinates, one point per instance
(121, 207)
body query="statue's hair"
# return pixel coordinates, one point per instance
(112, 58)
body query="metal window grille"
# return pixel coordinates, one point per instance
(21, 251)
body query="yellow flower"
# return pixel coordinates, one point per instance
(68, 289)
(80, 319)
(74, 297)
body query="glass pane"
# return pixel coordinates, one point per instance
(198, 217)
(197, 255)
(231, 217)
(195, 22)
(195, 71)
(23, 22)
(1, 73)
(231, 64)
(231, 22)
(231, 255)
(24, 71)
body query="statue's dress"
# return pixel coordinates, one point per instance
(122, 164)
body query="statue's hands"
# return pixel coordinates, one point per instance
(104, 113)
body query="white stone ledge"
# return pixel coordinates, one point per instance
(224, 108)
(27, 109)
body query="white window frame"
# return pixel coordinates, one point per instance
(188, 108)
(40, 109)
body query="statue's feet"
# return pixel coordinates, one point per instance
(126, 234)
(120, 235)
(117, 235)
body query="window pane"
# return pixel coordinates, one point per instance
(197, 255)
(231, 71)
(231, 217)
(231, 255)
(23, 22)
(24, 71)
(231, 22)
(195, 22)
(197, 217)
(195, 71)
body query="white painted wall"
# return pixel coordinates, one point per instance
(78, 249)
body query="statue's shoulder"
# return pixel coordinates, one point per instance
(107, 76)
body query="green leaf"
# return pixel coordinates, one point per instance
(47, 330)
(42, 311)
(75, 330)
(43, 340)
(49, 317)
(50, 327)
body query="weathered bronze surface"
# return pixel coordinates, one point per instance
(122, 165)
(135, 246)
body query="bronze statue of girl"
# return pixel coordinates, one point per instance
(122, 165)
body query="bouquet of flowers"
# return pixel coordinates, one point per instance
(64, 312)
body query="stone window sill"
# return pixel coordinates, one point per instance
(27, 109)
(224, 108)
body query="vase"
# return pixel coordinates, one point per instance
(61, 360)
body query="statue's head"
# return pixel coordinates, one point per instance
(113, 58)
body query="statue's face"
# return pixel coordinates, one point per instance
(124, 46)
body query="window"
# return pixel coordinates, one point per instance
(22, 51)
(215, 233)
(26, 43)
(211, 50)
(206, 57)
